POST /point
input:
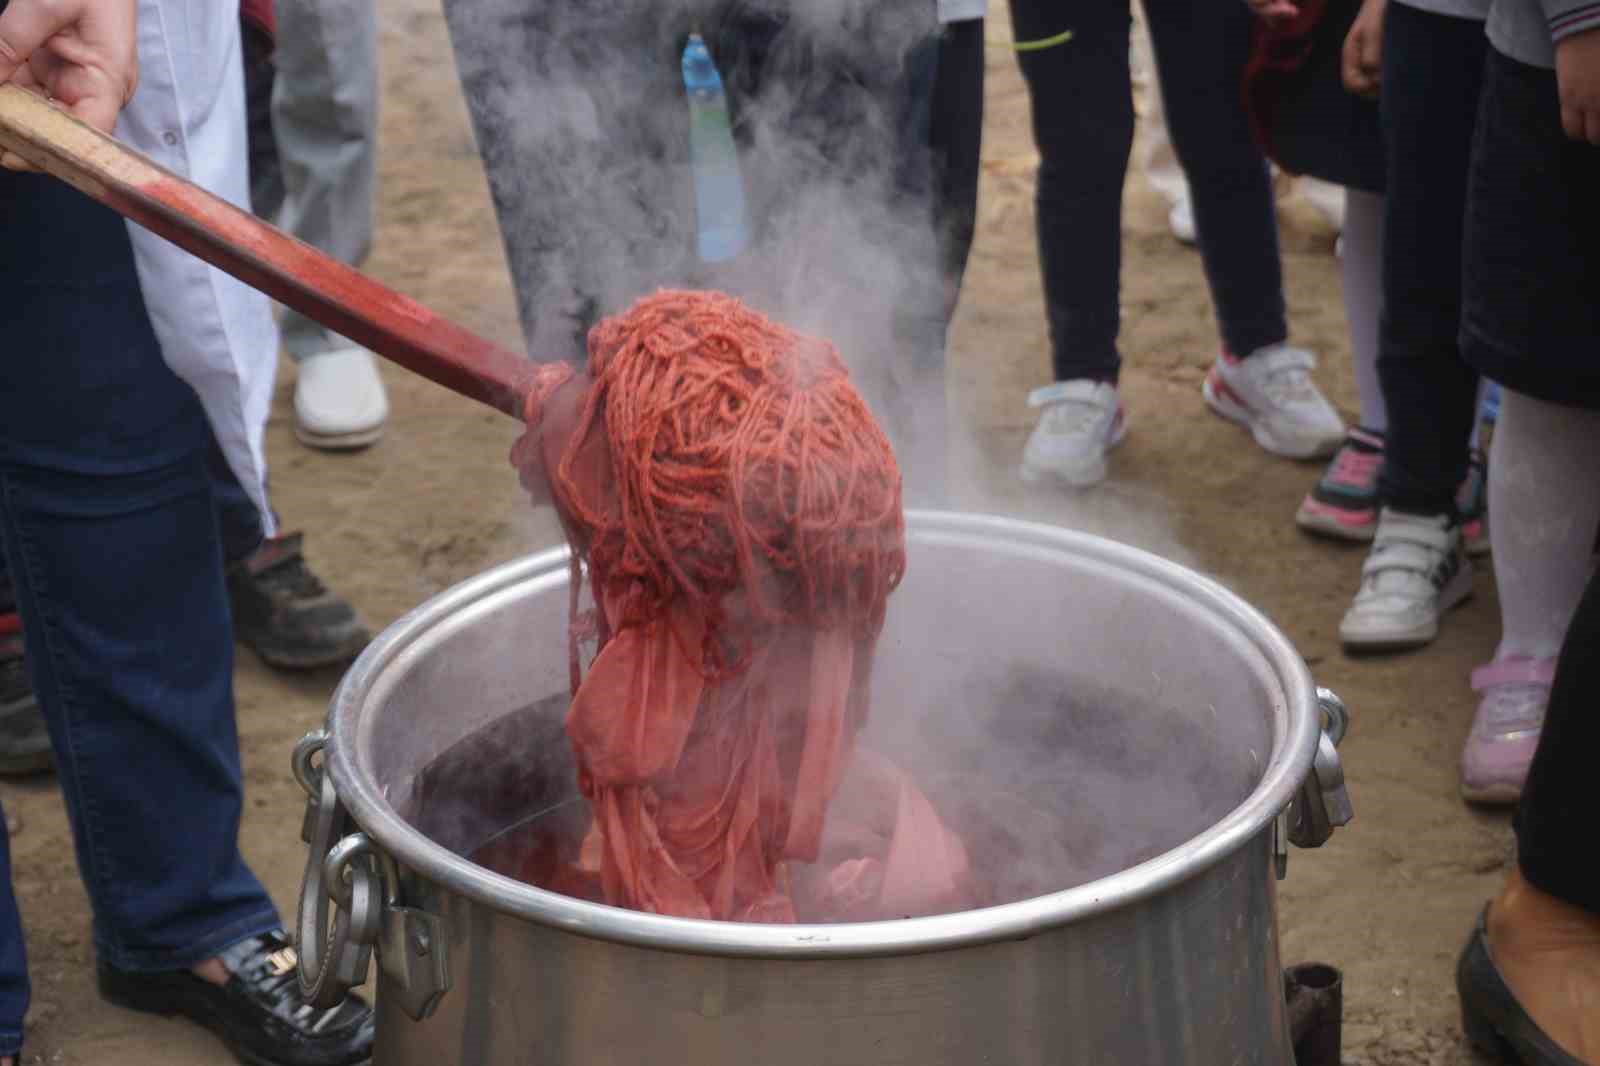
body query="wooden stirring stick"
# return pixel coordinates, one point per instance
(262, 256)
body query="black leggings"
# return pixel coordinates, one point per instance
(1556, 815)
(1432, 76)
(1083, 123)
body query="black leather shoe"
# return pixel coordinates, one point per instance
(1491, 1016)
(260, 1013)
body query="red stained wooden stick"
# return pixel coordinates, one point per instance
(262, 256)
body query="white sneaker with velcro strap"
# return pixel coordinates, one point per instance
(1079, 422)
(1415, 572)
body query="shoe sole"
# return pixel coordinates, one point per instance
(1088, 479)
(338, 442)
(161, 1006)
(1452, 596)
(1492, 795)
(1242, 415)
(1326, 521)
(288, 659)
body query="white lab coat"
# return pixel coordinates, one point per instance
(188, 114)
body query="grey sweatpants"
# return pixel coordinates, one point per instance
(580, 116)
(325, 120)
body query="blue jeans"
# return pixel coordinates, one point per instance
(109, 529)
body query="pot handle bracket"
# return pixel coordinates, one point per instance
(350, 905)
(1323, 802)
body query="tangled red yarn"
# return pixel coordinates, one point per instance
(742, 454)
(740, 513)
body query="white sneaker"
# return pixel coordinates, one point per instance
(1272, 394)
(1082, 420)
(1181, 219)
(339, 401)
(1415, 572)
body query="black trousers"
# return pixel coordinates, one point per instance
(1555, 821)
(1082, 98)
(1432, 77)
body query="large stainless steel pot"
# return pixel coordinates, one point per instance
(1173, 960)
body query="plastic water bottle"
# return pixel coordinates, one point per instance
(713, 157)
(1491, 403)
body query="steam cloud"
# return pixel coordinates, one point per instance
(579, 112)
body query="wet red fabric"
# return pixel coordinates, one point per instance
(738, 511)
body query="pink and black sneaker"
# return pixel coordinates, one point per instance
(1472, 502)
(1344, 501)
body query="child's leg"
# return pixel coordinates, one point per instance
(1201, 53)
(957, 138)
(1082, 100)
(1544, 508)
(1432, 72)
(1363, 299)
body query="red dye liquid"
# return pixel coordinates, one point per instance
(885, 854)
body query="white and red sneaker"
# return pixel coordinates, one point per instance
(1271, 393)
(1080, 421)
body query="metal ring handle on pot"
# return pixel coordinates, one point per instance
(305, 771)
(334, 937)
(1323, 802)
(1335, 715)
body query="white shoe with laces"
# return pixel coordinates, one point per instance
(1271, 393)
(1080, 421)
(1415, 572)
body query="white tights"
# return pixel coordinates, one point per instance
(1544, 512)
(1363, 299)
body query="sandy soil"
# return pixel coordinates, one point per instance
(1389, 900)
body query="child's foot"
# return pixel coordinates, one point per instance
(1080, 421)
(1414, 573)
(1271, 393)
(1344, 501)
(1505, 730)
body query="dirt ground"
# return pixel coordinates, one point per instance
(1389, 899)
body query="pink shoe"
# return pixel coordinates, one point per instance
(1505, 731)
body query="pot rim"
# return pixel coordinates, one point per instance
(1296, 728)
